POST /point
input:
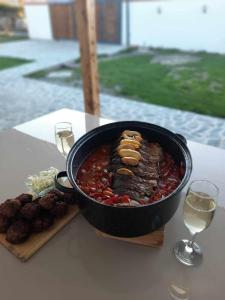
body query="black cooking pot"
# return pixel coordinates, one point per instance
(127, 221)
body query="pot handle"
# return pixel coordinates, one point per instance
(61, 187)
(181, 138)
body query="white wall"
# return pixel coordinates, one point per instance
(181, 24)
(38, 21)
(10, 2)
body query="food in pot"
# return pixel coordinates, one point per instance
(130, 161)
(18, 232)
(124, 171)
(30, 211)
(131, 172)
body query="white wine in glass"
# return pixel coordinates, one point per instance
(198, 211)
(64, 137)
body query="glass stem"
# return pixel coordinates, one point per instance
(64, 153)
(191, 242)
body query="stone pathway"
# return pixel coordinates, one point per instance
(22, 99)
(174, 59)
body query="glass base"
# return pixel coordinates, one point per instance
(187, 255)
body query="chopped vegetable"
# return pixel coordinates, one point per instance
(44, 181)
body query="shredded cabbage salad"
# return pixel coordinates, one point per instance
(41, 183)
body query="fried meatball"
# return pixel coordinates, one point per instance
(24, 198)
(36, 200)
(16, 204)
(30, 211)
(58, 195)
(70, 198)
(4, 224)
(18, 232)
(47, 202)
(42, 223)
(59, 210)
(9, 208)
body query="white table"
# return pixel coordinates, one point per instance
(78, 264)
(207, 160)
(43, 127)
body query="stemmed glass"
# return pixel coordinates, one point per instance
(64, 137)
(198, 211)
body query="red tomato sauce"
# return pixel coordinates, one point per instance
(96, 181)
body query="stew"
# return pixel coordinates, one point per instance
(132, 172)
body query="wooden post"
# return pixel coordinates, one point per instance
(86, 31)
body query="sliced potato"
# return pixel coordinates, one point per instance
(135, 143)
(126, 146)
(124, 171)
(131, 133)
(129, 153)
(133, 138)
(138, 138)
(130, 161)
(125, 136)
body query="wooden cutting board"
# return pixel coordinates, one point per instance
(21, 156)
(154, 239)
(25, 250)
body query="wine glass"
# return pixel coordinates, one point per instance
(198, 211)
(64, 137)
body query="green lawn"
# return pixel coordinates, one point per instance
(197, 87)
(11, 38)
(9, 62)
